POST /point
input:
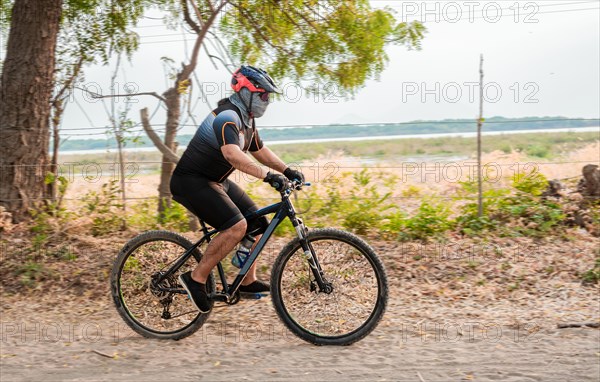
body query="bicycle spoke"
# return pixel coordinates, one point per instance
(354, 295)
(145, 303)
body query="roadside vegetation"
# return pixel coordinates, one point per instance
(373, 202)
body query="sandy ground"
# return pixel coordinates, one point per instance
(98, 346)
(439, 326)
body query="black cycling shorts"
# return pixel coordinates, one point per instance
(221, 205)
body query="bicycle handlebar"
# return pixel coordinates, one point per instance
(293, 185)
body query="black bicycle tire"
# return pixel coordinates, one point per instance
(127, 249)
(368, 326)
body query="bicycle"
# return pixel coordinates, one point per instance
(311, 277)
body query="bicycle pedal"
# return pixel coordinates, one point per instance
(252, 296)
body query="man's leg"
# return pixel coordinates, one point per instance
(217, 249)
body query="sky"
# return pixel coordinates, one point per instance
(541, 58)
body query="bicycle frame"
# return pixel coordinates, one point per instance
(282, 210)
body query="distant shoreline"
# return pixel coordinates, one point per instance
(366, 138)
(435, 135)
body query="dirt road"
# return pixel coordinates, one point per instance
(247, 342)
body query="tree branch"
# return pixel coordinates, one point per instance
(69, 82)
(188, 19)
(170, 155)
(197, 12)
(210, 5)
(210, 56)
(188, 69)
(308, 21)
(222, 49)
(291, 20)
(99, 96)
(259, 31)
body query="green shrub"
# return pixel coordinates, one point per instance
(539, 151)
(468, 221)
(430, 222)
(175, 217)
(411, 192)
(518, 211)
(364, 209)
(533, 183)
(144, 216)
(529, 213)
(506, 149)
(105, 209)
(333, 206)
(393, 224)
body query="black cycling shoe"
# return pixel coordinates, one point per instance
(255, 287)
(196, 291)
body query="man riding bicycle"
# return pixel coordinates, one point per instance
(200, 180)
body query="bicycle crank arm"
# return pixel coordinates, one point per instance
(221, 297)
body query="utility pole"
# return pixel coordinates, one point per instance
(479, 125)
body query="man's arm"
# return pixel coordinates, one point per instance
(242, 162)
(269, 159)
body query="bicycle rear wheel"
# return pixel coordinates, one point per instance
(145, 308)
(355, 305)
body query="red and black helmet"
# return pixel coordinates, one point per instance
(254, 79)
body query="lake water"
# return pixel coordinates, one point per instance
(370, 138)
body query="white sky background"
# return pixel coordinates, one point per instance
(545, 68)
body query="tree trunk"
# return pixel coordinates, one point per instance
(52, 188)
(25, 93)
(173, 102)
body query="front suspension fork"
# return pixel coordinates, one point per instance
(311, 257)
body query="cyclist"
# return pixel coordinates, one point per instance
(200, 180)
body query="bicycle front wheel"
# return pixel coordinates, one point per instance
(348, 312)
(142, 302)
